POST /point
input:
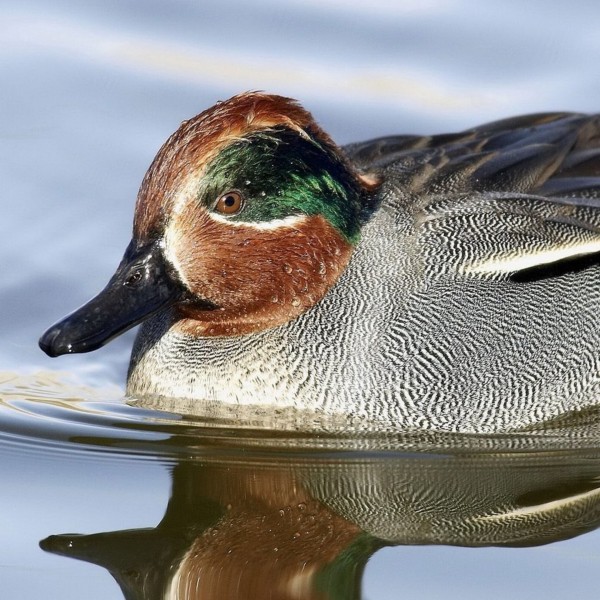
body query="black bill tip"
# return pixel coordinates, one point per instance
(69, 337)
(51, 344)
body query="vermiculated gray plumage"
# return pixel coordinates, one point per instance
(470, 303)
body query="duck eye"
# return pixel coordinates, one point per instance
(229, 203)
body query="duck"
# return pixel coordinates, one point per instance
(444, 282)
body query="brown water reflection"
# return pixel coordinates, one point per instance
(299, 524)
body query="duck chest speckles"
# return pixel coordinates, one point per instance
(258, 277)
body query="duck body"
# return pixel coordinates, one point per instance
(460, 293)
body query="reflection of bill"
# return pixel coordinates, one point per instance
(233, 531)
(305, 527)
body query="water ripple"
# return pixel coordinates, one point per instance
(47, 412)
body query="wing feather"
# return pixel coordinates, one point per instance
(499, 199)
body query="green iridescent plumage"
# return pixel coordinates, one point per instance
(281, 174)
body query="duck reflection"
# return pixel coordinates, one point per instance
(300, 526)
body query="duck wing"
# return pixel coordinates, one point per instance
(504, 198)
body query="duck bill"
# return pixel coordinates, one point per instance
(142, 286)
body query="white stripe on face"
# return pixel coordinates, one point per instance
(291, 221)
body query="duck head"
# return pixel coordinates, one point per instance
(245, 218)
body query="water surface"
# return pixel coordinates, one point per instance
(175, 507)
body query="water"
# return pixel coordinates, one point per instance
(169, 506)
(90, 91)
